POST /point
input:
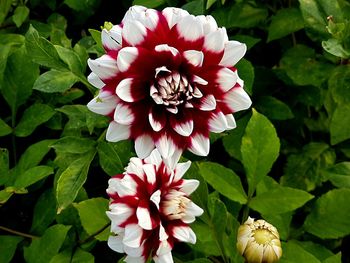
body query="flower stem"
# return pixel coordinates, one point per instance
(18, 233)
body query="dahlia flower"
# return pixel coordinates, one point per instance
(150, 209)
(258, 241)
(167, 80)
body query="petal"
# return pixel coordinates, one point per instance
(149, 18)
(215, 40)
(117, 132)
(154, 158)
(183, 128)
(200, 81)
(162, 233)
(189, 186)
(173, 15)
(135, 252)
(208, 103)
(163, 249)
(184, 234)
(95, 81)
(155, 198)
(116, 34)
(165, 146)
(127, 186)
(226, 79)
(157, 119)
(126, 56)
(123, 114)
(108, 41)
(165, 258)
(133, 13)
(166, 48)
(200, 145)
(172, 160)
(194, 210)
(102, 104)
(190, 28)
(119, 213)
(181, 169)
(237, 99)
(194, 57)
(144, 146)
(218, 122)
(123, 90)
(144, 218)
(150, 172)
(233, 52)
(133, 235)
(129, 259)
(116, 243)
(135, 167)
(104, 67)
(209, 24)
(134, 32)
(231, 123)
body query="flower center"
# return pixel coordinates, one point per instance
(175, 205)
(171, 89)
(263, 236)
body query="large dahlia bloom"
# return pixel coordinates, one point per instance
(150, 209)
(167, 80)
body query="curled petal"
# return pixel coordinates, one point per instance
(133, 235)
(208, 103)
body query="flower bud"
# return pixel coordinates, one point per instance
(258, 241)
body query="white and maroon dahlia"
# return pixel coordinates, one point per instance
(150, 209)
(167, 80)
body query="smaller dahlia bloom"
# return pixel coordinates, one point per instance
(167, 80)
(150, 209)
(259, 242)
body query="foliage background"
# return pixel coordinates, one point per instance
(287, 161)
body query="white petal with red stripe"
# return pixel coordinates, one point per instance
(190, 28)
(200, 145)
(134, 32)
(119, 213)
(208, 103)
(150, 172)
(183, 128)
(123, 114)
(194, 57)
(237, 99)
(126, 56)
(108, 40)
(165, 146)
(173, 15)
(226, 79)
(144, 218)
(218, 122)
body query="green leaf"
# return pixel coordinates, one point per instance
(71, 59)
(8, 247)
(328, 218)
(78, 5)
(42, 51)
(279, 200)
(285, 22)
(81, 256)
(20, 15)
(32, 176)
(317, 250)
(109, 159)
(260, 148)
(5, 50)
(44, 212)
(339, 84)
(19, 77)
(219, 221)
(223, 180)
(335, 47)
(71, 144)
(5, 6)
(55, 81)
(333, 259)
(94, 208)
(195, 7)
(4, 128)
(33, 116)
(274, 108)
(293, 252)
(72, 179)
(282, 222)
(43, 249)
(4, 165)
(340, 124)
(246, 72)
(206, 242)
(96, 35)
(339, 174)
(248, 40)
(5, 195)
(149, 3)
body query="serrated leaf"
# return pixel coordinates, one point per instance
(260, 148)
(71, 144)
(109, 159)
(223, 180)
(71, 59)
(340, 124)
(55, 81)
(285, 22)
(339, 174)
(246, 72)
(4, 128)
(94, 208)
(20, 15)
(279, 200)
(274, 109)
(8, 247)
(47, 246)
(328, 218)
(32, 176)
(72, 179)
(33, 116)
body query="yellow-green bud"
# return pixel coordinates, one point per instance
(107, 25)
(259, 242)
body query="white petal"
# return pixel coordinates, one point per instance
(237, 99)
(95, 81)
(123, 114)
(144, 146)
(164, 248)
(194, 209)
(173, 15)
(108, 41)
(104, 67)
(134, 252)
(190, 28)
(233, 52)
(119, 213)
(165, 258)
(133, 235)
(200, 145)
(135, 167)
(181, 169)
(162, 233)
(133, 13)
(103, 105)
(144, 218)
(218, 123)
(116, 243)
(215, 40)
(134, 32)
(117, 132)
(150, 172)
(184, 234)
(165, 146)
(123, 90)
(154, 158)
(231, 123)
(156, 125)
(209, 24)
(129, 259)
(208, 103)
(194, 57)
(200, 81)
(149, 18)
(116, 34)
(165, 47)
(172, 160)
(155, 198)
(226, 79)
(189, 186)
(127, 186)
(184, 128)
(125, 57)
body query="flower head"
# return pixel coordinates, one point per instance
(150, 209)
(167, 80)
(259, 241)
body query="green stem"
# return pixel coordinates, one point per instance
(18, 233)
